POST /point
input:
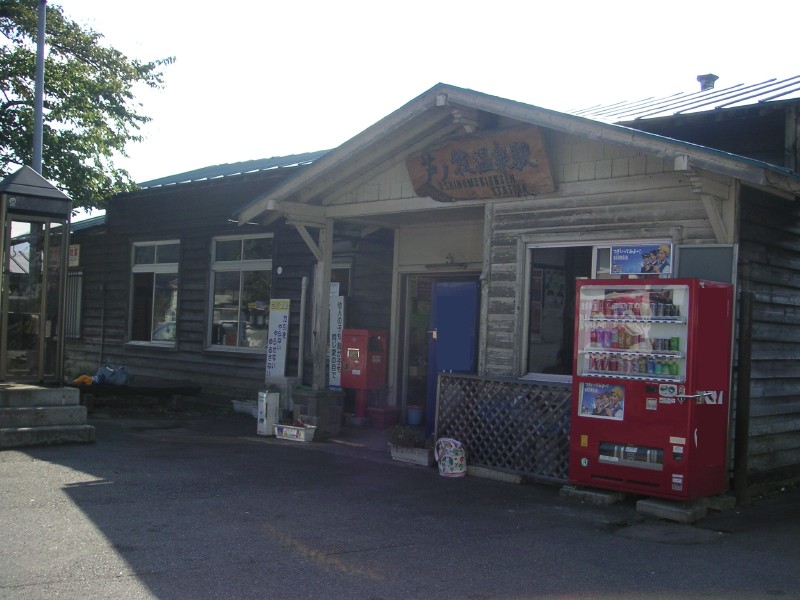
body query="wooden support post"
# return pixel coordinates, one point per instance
(321, 319)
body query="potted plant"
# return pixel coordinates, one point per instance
(406, 445)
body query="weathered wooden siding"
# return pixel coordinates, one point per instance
(392, 184)
(437, 243)
(604, 193)
(193, 214)
(769, 253)
(370, 301)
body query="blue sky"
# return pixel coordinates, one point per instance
(254, 79)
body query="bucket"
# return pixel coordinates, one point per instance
(451, 457)
(414, 415)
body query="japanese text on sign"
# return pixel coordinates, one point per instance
(335, 347)
(498, 164)
(277, 341)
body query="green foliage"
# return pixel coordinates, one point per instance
(90, 111)
(405, 436)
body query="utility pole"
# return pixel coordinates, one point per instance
(38, 101)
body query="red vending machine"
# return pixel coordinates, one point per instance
(651, 386)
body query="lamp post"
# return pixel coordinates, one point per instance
(38, 101)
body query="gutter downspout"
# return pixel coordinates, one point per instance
(742, 425)
(102, 320)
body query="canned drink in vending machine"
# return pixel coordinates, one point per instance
(606, 343)
(615, 337)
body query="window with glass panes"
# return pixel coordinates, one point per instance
(154, 297)
(241, 284)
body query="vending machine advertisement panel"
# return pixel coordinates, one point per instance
(651, 384)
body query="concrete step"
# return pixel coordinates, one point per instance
(17, 394)
(42, 416)
(13, 437)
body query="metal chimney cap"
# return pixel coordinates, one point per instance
(707, 81)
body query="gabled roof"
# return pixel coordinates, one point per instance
(231, 169)
(445, 109)
(735, 96)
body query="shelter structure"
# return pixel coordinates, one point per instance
(35, 218)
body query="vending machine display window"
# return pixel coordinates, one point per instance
(633, 333)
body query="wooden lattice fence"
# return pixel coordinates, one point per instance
(513, 425)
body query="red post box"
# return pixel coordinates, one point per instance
(364, 357)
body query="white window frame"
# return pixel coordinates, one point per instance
(239, 266)
(155, 269)
(601, 243)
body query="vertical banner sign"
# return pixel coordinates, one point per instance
(278, 337)
(335, 346)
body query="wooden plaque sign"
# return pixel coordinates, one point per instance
(506, 163)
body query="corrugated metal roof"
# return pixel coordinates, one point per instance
(716, 98)
(89, 223)
(230, 169)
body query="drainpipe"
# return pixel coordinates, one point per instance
(742, 426)
(102, 320)
(302, 343)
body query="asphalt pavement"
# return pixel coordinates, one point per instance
(197, 506)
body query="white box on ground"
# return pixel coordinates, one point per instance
(268, 407)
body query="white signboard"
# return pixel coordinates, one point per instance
(278, 339)
(335, 346)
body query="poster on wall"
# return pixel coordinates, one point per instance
(555, 289)
(535, 316)
(74, 256)
(336, 307)
(278, 339)
(642, 259)
(602, 401)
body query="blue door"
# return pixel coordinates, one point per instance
(453, 331)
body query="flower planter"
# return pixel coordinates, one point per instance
(294, 433)
(382, 418)
(417, 456)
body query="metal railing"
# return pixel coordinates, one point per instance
(512, 425)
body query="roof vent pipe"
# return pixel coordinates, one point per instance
(707, 81)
